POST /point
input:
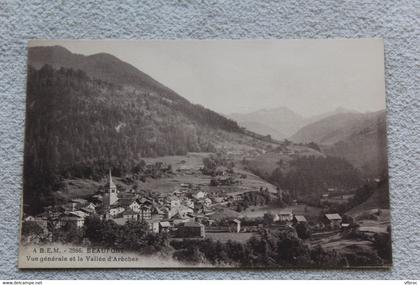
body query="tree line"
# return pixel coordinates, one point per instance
(310, 175)
(268, 248)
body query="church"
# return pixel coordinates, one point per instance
(113, 192)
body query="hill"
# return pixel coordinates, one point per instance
(100, 66)
(110, 69)
(359, 138)
(378, 200)
(336, 111)
(266, 163)
(331, 129)
(373, 215)
(305, 175)
(365, 148)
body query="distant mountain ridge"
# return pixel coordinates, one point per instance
(334, 128)
(101, 66)
(360, 138)
(280, 122)
(338, 110)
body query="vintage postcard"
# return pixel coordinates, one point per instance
(221, 153)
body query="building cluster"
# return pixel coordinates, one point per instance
(182, 213)
(328, 221)
(335, 197)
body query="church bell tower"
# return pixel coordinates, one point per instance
(113, 193)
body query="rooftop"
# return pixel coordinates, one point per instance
(79, 200)
(164, 224)
(333, 216)
(300, 218)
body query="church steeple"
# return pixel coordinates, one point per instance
(113, 194)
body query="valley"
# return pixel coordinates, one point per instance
(119, 159)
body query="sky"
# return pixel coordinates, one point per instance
(238, 76)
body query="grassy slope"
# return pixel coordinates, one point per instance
(378, 200)
(192, 163)
(268, 162)
(80, 188)
(373, 215)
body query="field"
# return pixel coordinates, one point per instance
(258, 211)
(78, 188)
(224, 237)
(268, 162)
(373, 215)
(375, 221)
(378, 200)
(187, 170)
(221, 213)
(193, 160)
(336, 242)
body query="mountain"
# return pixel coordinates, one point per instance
(281, 121)
(86, 114)
(366, 147)
(100, 66)
(360, 138)
(329, 130)
(338, 110)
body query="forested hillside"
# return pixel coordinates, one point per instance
(366, 148)
(360, 138)
(329, 130)
(309, 176)
(79, 127)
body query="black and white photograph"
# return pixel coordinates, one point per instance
(205, 154)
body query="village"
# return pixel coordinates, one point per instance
(188, 212)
